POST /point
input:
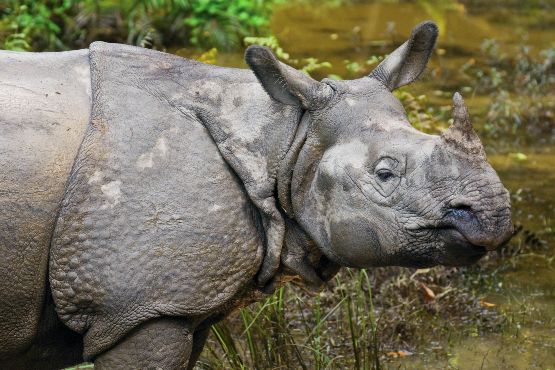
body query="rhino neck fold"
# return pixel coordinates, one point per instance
(302, 257)
(287, 165)
(255, 134)
(261, 141)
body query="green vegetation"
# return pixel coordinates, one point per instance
(519, 87)
(53, 25)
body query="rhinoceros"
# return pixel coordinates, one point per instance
(143, 196)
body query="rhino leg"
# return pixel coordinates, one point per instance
(199, 339)
(163, 343)
(54, 346)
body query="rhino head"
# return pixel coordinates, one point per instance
(370, 189)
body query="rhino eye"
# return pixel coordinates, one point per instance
(385, 175)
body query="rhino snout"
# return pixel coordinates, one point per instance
(487, 229)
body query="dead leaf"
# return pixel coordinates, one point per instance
(487, 304)
(429, 294)
(420, 271)
(399, 354)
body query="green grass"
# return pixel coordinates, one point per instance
(364, 318)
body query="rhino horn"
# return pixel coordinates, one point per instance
(461, 135)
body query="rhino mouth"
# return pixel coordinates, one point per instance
(459, 251)
(455, 250)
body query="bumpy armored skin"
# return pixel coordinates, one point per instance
(154, 222)
(144, 196)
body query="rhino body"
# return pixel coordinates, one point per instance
(144, 196)
(202, 221)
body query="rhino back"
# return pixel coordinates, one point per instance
(154, 223)
(44, 109)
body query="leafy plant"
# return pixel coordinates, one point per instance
(225, 22)
(530, 77)
(270, 42)
(306, 65)
(70, 24)
(422, 115)
(35, 25)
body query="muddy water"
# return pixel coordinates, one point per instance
(526, 291)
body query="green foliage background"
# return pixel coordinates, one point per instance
(55, 25)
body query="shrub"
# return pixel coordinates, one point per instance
(50, 25)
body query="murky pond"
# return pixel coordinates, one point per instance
(356, 31)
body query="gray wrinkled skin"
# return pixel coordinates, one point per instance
(166, 193)
(44, 109)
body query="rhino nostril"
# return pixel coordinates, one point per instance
(463, 207)
(461, 211)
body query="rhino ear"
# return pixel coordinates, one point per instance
(407, 62)
(284, 83)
